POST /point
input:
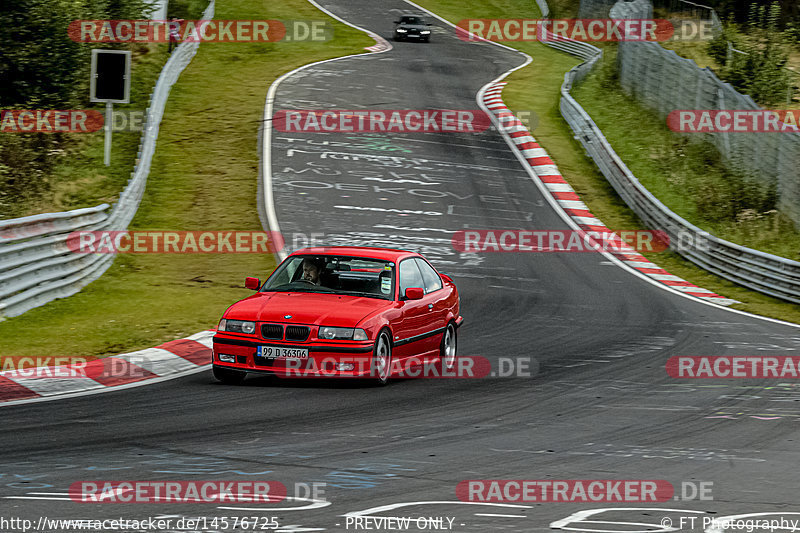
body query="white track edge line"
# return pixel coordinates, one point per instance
(266, 121)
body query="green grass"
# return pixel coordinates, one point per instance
(537, 88)
(204, 176)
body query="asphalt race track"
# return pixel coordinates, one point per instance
(598, 405)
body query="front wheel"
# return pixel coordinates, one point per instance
(382, 359)
(228, 376)
(447, 350)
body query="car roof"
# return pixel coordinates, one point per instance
(384, 254)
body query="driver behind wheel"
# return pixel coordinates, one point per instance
(312, 269)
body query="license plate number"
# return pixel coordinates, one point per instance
(272, 352)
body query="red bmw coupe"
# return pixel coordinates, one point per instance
(341, 312)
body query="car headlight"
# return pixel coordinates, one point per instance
(401, 30)
(329, 333)
(423, 32)
(237, 326)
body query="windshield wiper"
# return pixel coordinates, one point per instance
(321, 290)
(360, 293)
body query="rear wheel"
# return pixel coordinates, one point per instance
(382, 359)
(447, 350)
(228, 376)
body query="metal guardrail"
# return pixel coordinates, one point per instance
(762, 272)
(36, 265)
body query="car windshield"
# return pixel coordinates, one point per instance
(411, 20)
(356, 276)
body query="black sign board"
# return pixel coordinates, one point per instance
(111, 76)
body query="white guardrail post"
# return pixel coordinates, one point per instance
(766, 273)
(36, 265)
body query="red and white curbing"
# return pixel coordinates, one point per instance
(568, 200)
(169, 360)
(381, 44)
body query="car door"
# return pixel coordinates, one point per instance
(413, 323)
(436, 299)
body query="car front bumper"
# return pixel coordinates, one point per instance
(325, 359)
(411, 35)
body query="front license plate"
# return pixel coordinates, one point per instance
(272, 352)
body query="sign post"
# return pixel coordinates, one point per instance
(110, 82)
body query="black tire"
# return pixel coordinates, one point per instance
(382, 359)
(448, 349)
(228, 376)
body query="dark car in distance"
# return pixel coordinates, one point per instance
(412, 27)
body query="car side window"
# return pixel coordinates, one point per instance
(432, 280)
(410, 276)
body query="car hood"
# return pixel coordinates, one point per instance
(306, 308)
(413, 26)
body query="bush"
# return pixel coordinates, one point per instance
(186, 9)
(756, 64)
(718, 47)
(40, 65)
(25, 161)
(721, 193)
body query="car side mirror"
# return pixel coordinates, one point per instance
(397, 22)
(252, 283)
(414, 293)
